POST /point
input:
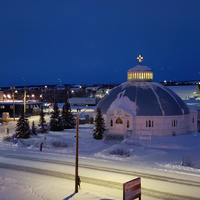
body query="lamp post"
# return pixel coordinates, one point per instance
(13, 96)
(24, 102)
(76, 160)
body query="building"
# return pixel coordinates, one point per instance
(83, 101)
(142, 106)
(31, 108)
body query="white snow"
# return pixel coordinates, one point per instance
(140, 68)
(123, 102)
(160, 155)
(154, 87)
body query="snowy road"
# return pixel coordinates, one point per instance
(102, 174)
(152, 185)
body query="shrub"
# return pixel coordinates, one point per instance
(9, 138)
(60, 144)
(120, 152)
(186, 161)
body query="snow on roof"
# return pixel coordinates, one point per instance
(143, 99)
(140, 68)
(123, 102)
(92, 88)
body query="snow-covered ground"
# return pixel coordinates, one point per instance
(25, 186)
(160, 155)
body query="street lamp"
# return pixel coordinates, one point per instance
(76, 160)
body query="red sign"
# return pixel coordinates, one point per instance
(132, 189)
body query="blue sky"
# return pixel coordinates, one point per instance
(97, 41)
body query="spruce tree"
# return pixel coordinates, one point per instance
(42, 122)
(56, 123)
(22, 128)
(33, 129)
(99, 125)
(67, 116)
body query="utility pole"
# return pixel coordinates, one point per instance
(76, 163)
(76, 160)
(24, 102)
(13, 95)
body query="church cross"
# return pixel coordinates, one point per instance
(140, 58)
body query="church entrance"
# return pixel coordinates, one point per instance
(119, 126)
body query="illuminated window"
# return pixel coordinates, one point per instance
(128, 124)
(151, 76)
(129, 75)
(142, 75)
(111, 122)
(2, 107)
(119, 121)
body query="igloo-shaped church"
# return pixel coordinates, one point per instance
(143, 106)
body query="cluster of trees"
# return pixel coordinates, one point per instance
(64, 121)
(57, 123)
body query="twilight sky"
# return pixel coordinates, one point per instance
(97, 41)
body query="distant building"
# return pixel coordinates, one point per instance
(83, 101)
(31, 107)
(91, 89)
(75, 90)
(100, 93)
(186, 92)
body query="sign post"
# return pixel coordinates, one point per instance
(6, 129)
(132, 189)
